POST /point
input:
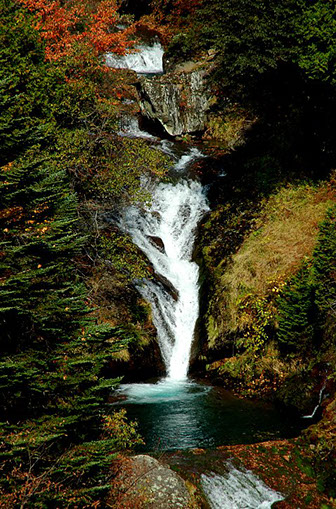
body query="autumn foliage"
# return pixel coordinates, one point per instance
(168, 17)
(68, 27)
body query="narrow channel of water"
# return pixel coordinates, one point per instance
(239, 489)
(165, 232)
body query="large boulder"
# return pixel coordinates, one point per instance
(178, 100)
(145, 483)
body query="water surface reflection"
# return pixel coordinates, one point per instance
(183, 415)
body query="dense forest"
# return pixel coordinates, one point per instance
(72, 323)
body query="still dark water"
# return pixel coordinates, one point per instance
(183, 415)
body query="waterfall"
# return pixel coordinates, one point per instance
(238, 490)
(165, 232)
(129, 126)
(146, 59)
(312, 415)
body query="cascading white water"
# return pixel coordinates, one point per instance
(172, 218)
(312, 415)
(146, 59)
(165, 232)
(187, 158)
(238, 490)
(129, 126)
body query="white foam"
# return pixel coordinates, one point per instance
(146, 60)
(238, 490)
(173, 216)
(192, 155)
(163, 391)
(129, 126)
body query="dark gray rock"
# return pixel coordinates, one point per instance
(168, 286)
(157, 242)
(178, 100)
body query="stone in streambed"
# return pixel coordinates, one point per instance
(168, 286)
(157, 242)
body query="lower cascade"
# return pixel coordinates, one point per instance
(238, 490)
(165, 232)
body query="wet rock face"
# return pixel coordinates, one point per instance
(144, 482)
(178, 100)
(168, 286)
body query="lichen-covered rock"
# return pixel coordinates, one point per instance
(178, 100)
(145, 483)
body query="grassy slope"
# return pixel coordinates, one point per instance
(285, 234)
(241, 323)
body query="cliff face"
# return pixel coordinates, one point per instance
(179, 100)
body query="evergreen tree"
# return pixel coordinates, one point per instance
(250, 39)
(57, 445)
(296, 312)
(316, 51)
(306, 307)
(324, 273)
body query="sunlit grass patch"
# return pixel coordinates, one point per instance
(286, 234)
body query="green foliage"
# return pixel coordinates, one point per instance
(253, 39)
(261, 319)
(38, 240)
(316, 54)
(71, 477)
(34, 96)
(132, 159)
(119, 249)
(250, 38)
(58, 150)
(108, 167)
(324, 273)
(123, 433)
(306, 307)
(296, 311)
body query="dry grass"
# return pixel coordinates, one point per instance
(286, 234)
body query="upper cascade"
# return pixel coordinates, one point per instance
(148, 59)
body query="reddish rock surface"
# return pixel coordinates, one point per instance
(283, 465)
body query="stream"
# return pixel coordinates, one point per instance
(177, 412)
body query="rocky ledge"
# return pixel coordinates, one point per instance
(178, 100)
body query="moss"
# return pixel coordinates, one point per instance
(213, 331)
(229, 128)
